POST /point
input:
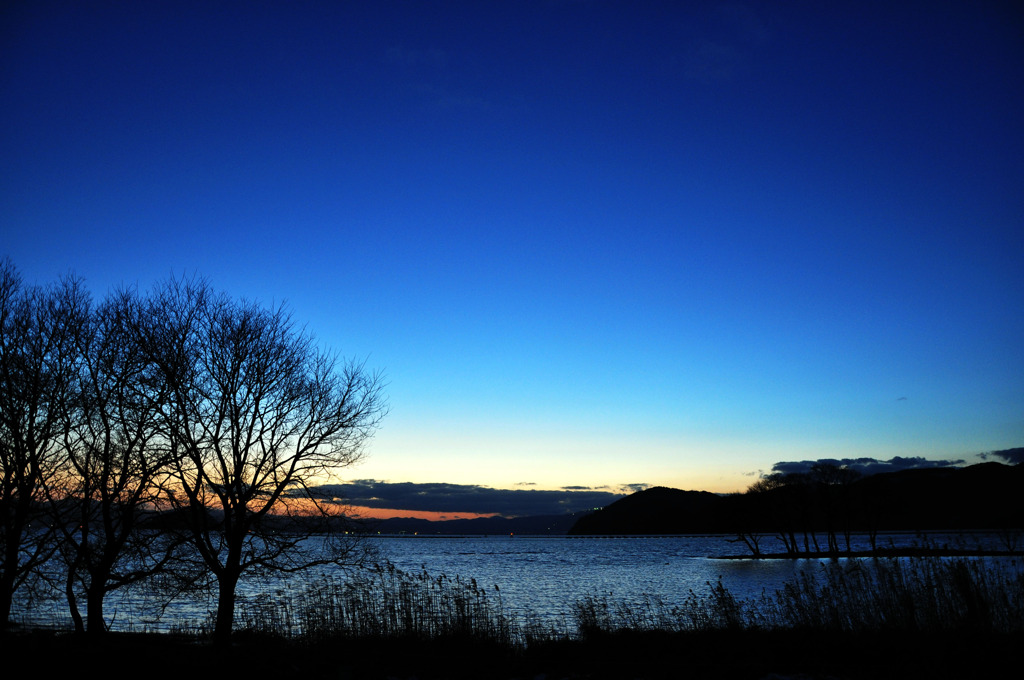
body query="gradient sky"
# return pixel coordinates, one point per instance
(589, 243)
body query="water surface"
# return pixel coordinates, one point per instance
(536, 576)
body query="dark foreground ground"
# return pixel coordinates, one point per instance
(745, 654)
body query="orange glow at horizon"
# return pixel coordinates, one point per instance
(362, 512)
(299, 506)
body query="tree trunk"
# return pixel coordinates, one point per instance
(95, 624)
(6, 596)
(69, 592)
(225, 607)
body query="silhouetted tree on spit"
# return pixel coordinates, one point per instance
(802, 503)
(835, 504)
(773, 500)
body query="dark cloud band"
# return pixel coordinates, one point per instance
(865, 466)
(1011, 456)
(441, 497)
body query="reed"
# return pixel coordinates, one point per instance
(877, 595)
(385, 602)
(921, 594)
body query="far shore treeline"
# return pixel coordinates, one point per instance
(815, 513)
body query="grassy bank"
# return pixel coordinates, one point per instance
(624, 654)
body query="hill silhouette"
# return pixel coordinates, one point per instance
(983, 496)
(659, 510)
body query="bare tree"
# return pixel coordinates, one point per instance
(832, 485)
(767, 503)
(258, 415)
(116, 465)
(38, 327)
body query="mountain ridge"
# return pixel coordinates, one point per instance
(982, 496)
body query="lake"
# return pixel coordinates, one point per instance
(539, 576)
(545, 575)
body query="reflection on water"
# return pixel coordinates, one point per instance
(540, 576)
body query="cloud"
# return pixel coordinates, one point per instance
(432, 75)
(1011, 456)
(735, 35)
(432, 59)
(636, 486)
(743, 22)
(865, 466)
(708, 61)
(442, 497)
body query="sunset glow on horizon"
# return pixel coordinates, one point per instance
(358, 512)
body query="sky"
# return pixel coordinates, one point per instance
(590, 244)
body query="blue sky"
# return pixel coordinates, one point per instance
(589, 243)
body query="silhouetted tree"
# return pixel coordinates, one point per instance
(256, 414)
(748, 519)
(116, 462)
(38, 330)
(835, 506)
(776, 501)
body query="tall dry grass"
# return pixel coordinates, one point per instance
(883, 594)
(919, 594)
(385, 602)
